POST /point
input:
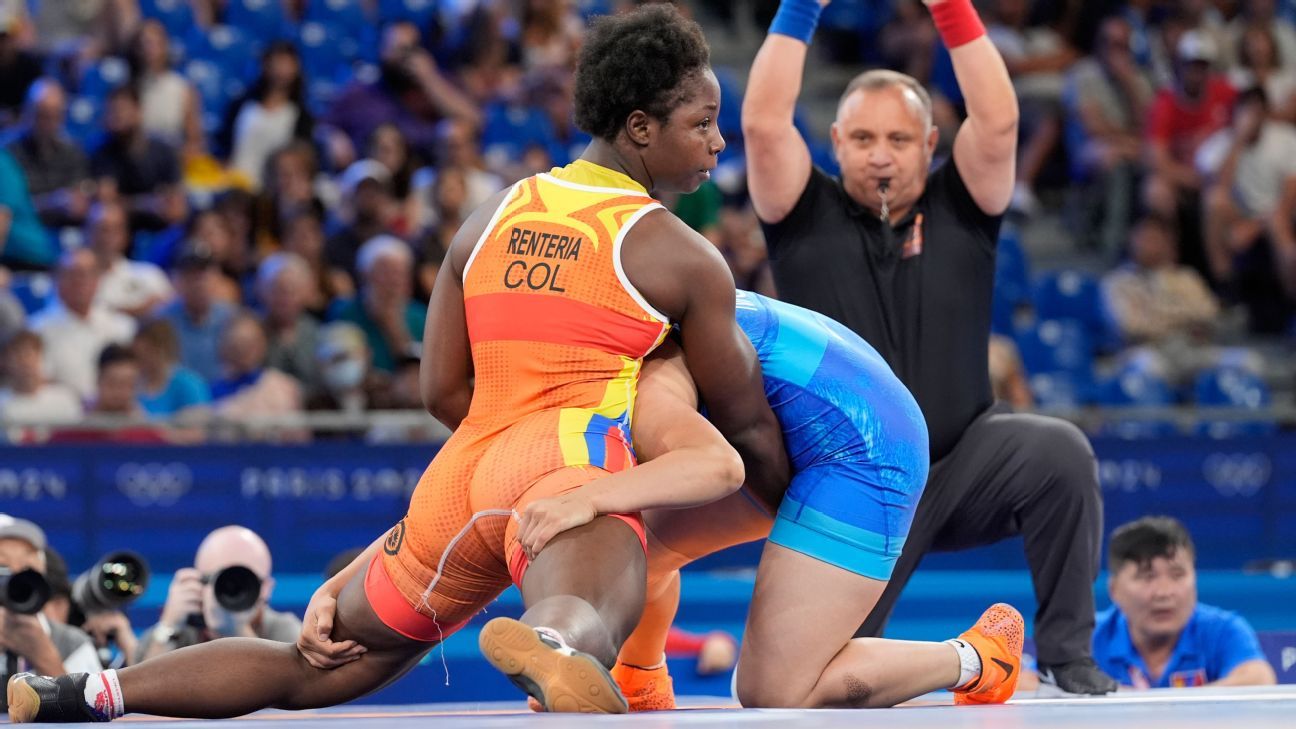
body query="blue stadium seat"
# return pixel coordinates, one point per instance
(216, 89)
(347, 14)
(1056, 345)
(33, 290)
(509, 130)
(261, 19)
(1137, 387)
(232, 49)
(1237, 387)
(1070, 294)
(1012, 289)
(325, 49)
(1059, 389)
(419, 12)
(83, 119)
(175, 15)
(104, 76)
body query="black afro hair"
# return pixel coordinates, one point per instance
(636, 60)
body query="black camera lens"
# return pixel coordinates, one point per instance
(237, 588)
(114, 581)
(24, 592)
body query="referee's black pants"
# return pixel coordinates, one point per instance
(1016, 474)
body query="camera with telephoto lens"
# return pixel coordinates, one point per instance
(24, 592)
(237, 589)
(116, 580)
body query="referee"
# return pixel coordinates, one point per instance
(905, 257)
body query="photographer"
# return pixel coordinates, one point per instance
(33, 642)
(223, 595)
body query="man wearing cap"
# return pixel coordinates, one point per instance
(367, 209)
(196, 314)
(34, 642)
(1182, 116)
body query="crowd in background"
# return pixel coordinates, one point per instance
(239, 207)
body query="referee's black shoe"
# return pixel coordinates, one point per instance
(1080, 677)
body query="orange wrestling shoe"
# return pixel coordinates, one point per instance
(559, 678)
(997, 638)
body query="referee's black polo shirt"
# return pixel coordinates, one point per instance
(919, 292)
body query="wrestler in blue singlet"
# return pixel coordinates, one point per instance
(855, 437)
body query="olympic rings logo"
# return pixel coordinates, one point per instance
(154, 484)
(1237, 474)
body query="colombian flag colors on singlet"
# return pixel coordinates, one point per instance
(553, 320)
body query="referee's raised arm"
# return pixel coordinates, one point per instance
(778, 160)
(985, 149)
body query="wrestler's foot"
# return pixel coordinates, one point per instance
(43, 699)
(645, 689)
(997, 638)
(537, 661)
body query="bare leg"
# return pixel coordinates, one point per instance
(798, 652)
(676, 538)
(236, 676)
(588, 584)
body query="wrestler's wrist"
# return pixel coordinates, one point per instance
(797, 19)
(957, 22)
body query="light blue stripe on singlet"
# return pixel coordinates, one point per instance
(797, 350)
(815, 534)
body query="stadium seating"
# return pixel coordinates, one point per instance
(1231, 386)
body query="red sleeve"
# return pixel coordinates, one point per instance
(1160, 118)
(682, 643)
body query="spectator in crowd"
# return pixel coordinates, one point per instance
(458, 147)
(27, 395)
(489, 61)
(170, 106)
(303, 236)
(740, 240)
(908, 41)
(166, 389)
(350, 384)
(411, 92)
(1264, 14)
(384, 308)
(197, 315)
(1037, 58)
(75, 327)
(1008, 375)
(448, 194)
(141, 168)
(118, 384)
(249, 387)
(13, 317)
(1260, 65)
(388, 147)
(56, 168)
(35, 642)
(193, 615)
(1183, 116)
(367, 209)
(289, 188)
(1158, 303)
(1156, 634)
(86, 30)
(24, 242)
(551, 34)
(270, 115)
(284, 285)
(19, 67)
(1107, 97)
(212, 230)
(1250, 162)
(135, 288)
